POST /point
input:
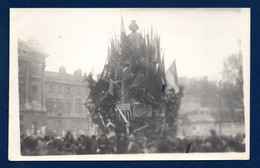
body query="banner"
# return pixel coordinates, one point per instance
(139, 110)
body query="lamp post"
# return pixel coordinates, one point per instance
(220, 108)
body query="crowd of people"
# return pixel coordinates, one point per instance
(212, 143)
(122, 144)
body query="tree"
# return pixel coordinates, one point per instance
(232, 86)
(202, 90)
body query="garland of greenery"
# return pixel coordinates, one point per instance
(102, 104)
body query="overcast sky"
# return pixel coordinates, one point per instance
(199, 39)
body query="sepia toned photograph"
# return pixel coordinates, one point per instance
(129, 84)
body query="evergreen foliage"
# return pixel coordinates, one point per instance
(136, 63)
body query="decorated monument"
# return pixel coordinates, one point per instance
(134, 93)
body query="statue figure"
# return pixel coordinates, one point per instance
(134, 37)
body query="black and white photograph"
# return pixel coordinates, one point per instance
(129, 84)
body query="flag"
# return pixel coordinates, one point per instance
(171, 78)
(121, 114)
(125, 112)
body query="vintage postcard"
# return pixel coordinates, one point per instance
(129, 84)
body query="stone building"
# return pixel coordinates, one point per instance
(31, 62)
(65, 94)
(50, 101)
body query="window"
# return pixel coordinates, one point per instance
(50, 89)
(78, 91)
(64, 107)
(68, 91)
(58, 108)
(59, 89)
(35, 71)
(79, 107)
(69, 107)
(34, 95)
(49, 106)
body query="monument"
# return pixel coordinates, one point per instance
(131, 91)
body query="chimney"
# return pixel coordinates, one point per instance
(62, 70)
(78, 72)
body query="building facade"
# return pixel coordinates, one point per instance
(31, 62)
(50, 101)
(65, 95)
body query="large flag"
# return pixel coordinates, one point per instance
(124, 112)
(171, 78)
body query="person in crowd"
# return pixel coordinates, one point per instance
(68, 148)
(55, 147)
(92, 145)
(29, 146)
(132, 145)
(102, 143)
(122, 143)
(41, 148)
(80, 145)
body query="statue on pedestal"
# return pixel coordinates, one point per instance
(134, 38)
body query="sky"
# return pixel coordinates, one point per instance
(198, 39)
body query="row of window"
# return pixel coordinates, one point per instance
(63, 90)
(63, 107)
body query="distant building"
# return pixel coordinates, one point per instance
(199, 123)
(50, 101)
(196, 123)
(31, 62)
(197, 116)
(65, 94)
